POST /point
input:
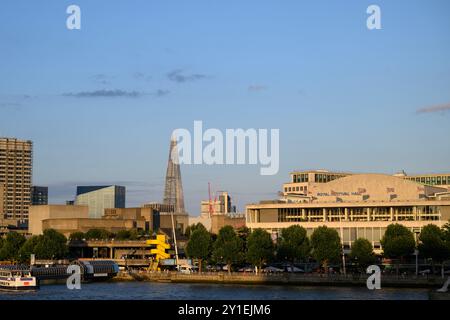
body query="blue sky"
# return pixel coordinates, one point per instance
(344, 97)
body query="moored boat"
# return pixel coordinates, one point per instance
(15, 278)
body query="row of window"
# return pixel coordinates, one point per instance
(293, 189)
(357, 214)
(436, 180)
(323, 178)
(303, 177)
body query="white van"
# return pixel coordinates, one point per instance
(185, 269)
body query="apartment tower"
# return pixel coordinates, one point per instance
(16, 159)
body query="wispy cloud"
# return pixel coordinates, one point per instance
(105, 93)
(161, 93)
(436, 108)
(141, 76)
(257, 87)
(102, 78)
(180, 77)
(10, 105)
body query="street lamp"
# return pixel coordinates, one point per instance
(416, 253)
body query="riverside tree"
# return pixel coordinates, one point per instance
(433, 244)
(199, 246)
(326, 246)
(11, 246)
(51, 245)
(190, 229)
(227, 247)
(100, 234)
(78, 235)
(362, 252)
(294, 244)
(260, 248)
(28, 248)
(398, 242)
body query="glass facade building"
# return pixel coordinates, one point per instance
(99, 198)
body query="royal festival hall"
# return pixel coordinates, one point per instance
(356, 205)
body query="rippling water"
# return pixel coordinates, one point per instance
(160, 291)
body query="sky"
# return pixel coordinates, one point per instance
(100, 103)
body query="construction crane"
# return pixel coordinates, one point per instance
(211, 208)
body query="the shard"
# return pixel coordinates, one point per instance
(173, 191)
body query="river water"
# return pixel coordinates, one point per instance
(174, 291)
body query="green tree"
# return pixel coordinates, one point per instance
(99, 234)
(1, 243)
(293, 244)
(397, 242)
(52, 245)
(123, 235)
(190, 229)
(77, 236)
(11, 246)
(326, 246)
(362, 252)
(433, 245)
(227, 247)
(260, 248)
(199, 246)
(28, 248)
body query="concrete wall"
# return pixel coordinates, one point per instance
(182, 220)
(68, 226)
(221, 220)
(40, 213)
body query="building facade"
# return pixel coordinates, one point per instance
(68, 219)
(39, 196)
(218, 213)
(99, 198)
(356, 205)
(16, 160)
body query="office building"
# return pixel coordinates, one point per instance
(39, 195)
(99, 198)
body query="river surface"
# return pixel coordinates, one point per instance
(175, 291)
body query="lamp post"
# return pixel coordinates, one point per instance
(416, 253)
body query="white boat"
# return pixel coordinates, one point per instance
(16, 279)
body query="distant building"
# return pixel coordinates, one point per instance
(16, 160)
(166, 211)
(99, 198)
(217, 213)
(68, 219)
(356, 205)
(39, 195)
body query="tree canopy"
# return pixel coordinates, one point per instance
(326, 246)
(362, 252)
(260, 247)
(199, 245)
(294, 244)
(227, 247)
(398, 241)
(11, 246)
(99, 234)
(28, 248)
(432, 243)
(190, 229)
(77, 236)
(51, 245)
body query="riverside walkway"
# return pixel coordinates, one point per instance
(283, 279)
